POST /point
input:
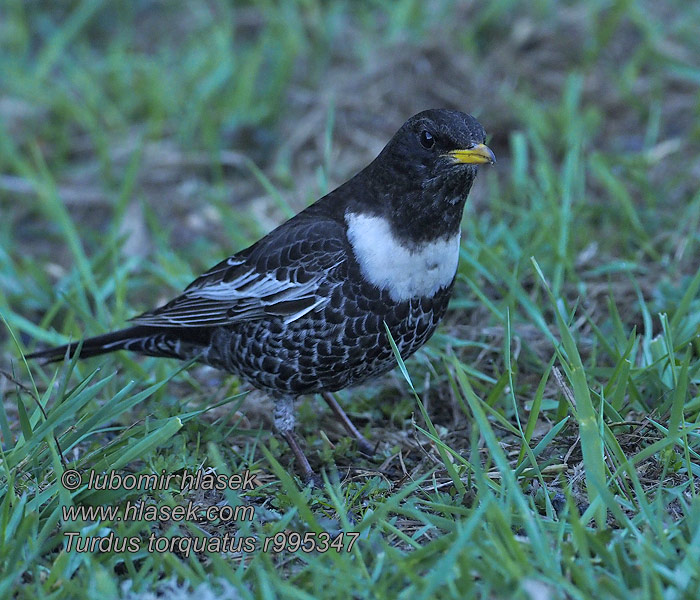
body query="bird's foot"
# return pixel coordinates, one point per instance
(364, 446)
(313, 479)
(308, 475)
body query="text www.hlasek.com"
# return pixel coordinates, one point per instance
(150, 512)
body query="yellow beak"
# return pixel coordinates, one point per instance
(480, 154)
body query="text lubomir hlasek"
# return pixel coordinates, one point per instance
(200, 480)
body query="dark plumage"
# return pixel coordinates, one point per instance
(303, 309)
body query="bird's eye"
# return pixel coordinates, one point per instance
(426, 139)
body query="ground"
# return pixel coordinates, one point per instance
(543, 444)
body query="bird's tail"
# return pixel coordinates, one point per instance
(131, 338)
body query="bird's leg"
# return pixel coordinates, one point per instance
(284, 423)
(362, 443)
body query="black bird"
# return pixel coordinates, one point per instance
(303, 309)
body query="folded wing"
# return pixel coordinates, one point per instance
(288, 274)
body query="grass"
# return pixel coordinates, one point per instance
(545, 442)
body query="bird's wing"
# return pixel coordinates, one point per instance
(287, 274)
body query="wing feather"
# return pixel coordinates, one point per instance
(285, 275)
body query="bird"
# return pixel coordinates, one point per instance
(306, 308)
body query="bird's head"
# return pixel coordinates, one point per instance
(425, 172)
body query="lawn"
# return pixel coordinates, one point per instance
(543, 445)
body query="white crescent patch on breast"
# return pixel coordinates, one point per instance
(404, 272)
